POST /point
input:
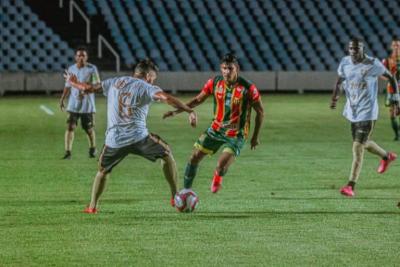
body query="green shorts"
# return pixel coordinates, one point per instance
(210, 141)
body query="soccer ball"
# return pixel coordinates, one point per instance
(186, 200)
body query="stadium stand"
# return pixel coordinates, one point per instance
(266, 35)
(27, 43)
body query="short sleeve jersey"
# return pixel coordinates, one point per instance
(79, 101)
(232, 105)
(128, 101)
(361, 88)
(393, 65)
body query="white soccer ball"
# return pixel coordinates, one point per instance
(186, 200)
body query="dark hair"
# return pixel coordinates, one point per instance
(395, 38)
(81, 48)
(229, 58)
(356, 39)
(144, 66)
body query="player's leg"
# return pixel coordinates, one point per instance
(386, 157)
(224, 161)
(87, 121)
(109, 158)
(394, 123)
(69, 134)
(205, 145)
(192, 166)
(170, 173)
(360, 132)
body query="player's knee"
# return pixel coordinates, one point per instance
(71, 127)
(196, 157)
(89, 131)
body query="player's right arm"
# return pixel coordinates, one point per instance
(336, 92)
(86, 87)
(65, 94)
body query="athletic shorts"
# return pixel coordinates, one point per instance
(87, 119)
(152, 148)
(361, 131)
(209, 142)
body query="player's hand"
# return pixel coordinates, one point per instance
(168, 114)
(69, 77)
(193, 119)
(254, 143)
(62, 105)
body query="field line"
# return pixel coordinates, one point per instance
(47, 110)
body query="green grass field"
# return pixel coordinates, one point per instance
(280, 204)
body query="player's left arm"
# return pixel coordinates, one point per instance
(176, 103)
(259, 109)
(394, 85)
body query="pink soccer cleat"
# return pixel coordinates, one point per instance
(384, 164)
(347, 191)
(216, 184)
(90, 210)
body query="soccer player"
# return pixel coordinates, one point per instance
(358, 74)
(81, 104)
(128, 101)
(233, 97)
(392, 63)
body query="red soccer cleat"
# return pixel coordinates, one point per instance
(216, 184)
(384, 164)
(90, 210)
(172, 201)
(347, 191)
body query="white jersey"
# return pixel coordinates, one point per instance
(128, 101)
(79, 101)
(361, 88)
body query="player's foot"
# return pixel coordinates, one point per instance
(384, 164)
(216, 184)
(67, 155)
(172, 201)
(396, 138)
(347, 191)
(90, 210)
(92, 152)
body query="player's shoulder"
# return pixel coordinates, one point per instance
(91, 66)
(369, 60)
(346, 60)
(244, 82)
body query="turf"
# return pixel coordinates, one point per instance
(280, 204)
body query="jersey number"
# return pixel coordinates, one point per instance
(124, 105)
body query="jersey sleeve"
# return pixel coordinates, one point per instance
(67, 84)
(95, 76)
(340, 70)
(208, 87)
(254, 94)
(149, 92)
(106, 85)
(378, 68)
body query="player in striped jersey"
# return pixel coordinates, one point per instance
(233, 97)
(392, 63)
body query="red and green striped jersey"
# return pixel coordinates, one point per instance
(393, 65)
(232, 105)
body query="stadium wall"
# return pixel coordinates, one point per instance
(176, 82)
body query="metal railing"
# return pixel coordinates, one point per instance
(101, 40)
(73, 5)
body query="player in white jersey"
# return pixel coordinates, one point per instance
(128, 100)
(358, 75)
(81, 105)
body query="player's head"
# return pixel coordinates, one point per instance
(229, 66)
(356, 49)
(146, 69)
(395, 45)
(81, 55)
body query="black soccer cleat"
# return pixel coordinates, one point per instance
(67, 155)
(92, 152)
